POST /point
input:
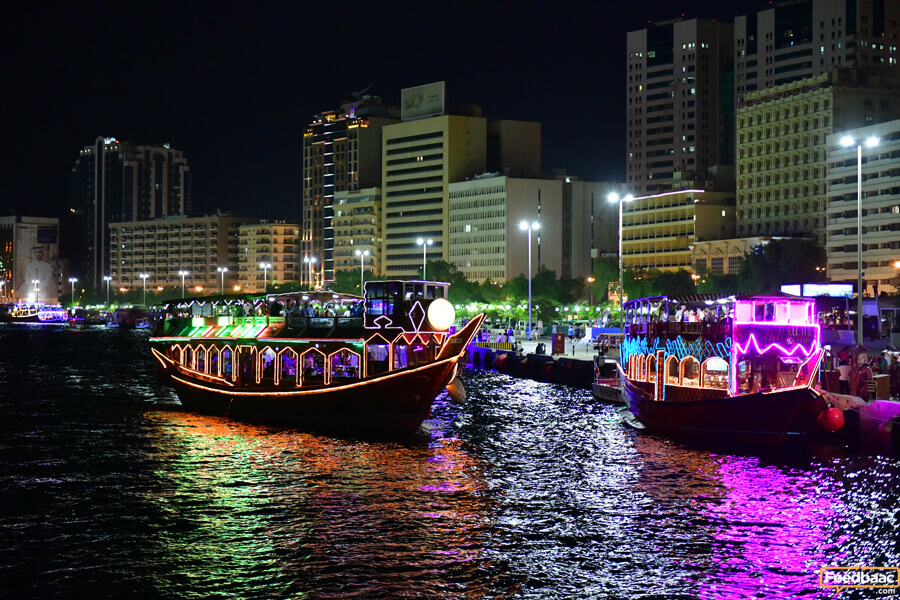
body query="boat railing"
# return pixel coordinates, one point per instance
(297, 326)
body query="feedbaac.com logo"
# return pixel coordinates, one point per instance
(859, 577)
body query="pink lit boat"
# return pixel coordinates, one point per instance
(370, 365)
(743, 373)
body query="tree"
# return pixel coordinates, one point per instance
(767, 268)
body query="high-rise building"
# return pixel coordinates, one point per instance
(880, 204)
(804, 38)
(424, 154)
(268, 255)
(357, 230)
(341, 152)
(113, 182)
(163, 248)
(680, 116)
(782, 146)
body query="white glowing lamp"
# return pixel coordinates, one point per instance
(441, 314)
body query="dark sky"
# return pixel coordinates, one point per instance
(233, 84)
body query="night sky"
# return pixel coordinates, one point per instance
(233, 84)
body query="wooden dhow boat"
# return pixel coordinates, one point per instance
(739, 370)
(319, 361)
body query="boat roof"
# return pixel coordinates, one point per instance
(318, 296)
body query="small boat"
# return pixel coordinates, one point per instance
(741, 371)
(368, 365)
(34, 312)
(606, 385)
(132, 317)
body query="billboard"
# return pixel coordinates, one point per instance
(810, 290)
(422, 101)
(36, 266)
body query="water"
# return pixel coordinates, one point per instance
(528, 491)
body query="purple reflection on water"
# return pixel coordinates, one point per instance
(771, 531)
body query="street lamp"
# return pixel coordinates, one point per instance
(183, 274)
(2, 282)
(310, 260)
(614, 197)
(144, 277)
(265, 267)
(222, 270)
(362, 254)
(424, 244)
(107, 279)
(72, 281)
(35, 282)
(847, 142)
(524, 226)
(591, 281)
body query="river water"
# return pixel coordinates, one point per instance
(529, 490)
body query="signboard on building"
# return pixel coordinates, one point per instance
(422, 101)
(36, 274)
(810, 290)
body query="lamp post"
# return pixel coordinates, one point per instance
(265, 267)
(2, 283)
(310, 260)
(424, 243)
(525, 226)
(591, 281)
(847, 142)
(222, 271)
(183, 275)
(107, 279)
(35, 282)
(362, 254)
(72, 281)
(614, 197)
(144, 277)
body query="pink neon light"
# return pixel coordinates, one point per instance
(752, 340)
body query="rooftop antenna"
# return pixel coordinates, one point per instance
(356, 95)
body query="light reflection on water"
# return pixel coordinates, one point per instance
(528, 491)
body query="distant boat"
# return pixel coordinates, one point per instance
(368, 365)
(34, 312)
(745, 373)
(134, 317)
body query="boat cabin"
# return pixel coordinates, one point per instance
(738, 345)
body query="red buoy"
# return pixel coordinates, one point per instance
(832, 419)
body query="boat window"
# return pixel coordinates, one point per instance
(715, 373)
(344, 365)
(245, 364)
(188, 357)
(651, 368)
(201, 359)
(314, 366)
(227, 357)
(690, 371)
(287, 369)
(267, 364)
(377, 358)
(213, 354)
(401, 356)
(672, 370)
(765, 312)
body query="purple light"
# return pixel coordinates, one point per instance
(738, 351)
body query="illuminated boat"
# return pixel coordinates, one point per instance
(34, 312)
(368, 365)
(743, 373)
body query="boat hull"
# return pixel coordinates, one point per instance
(394, 404)
(713, 416)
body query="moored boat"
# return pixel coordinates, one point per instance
(34, 312)
(739, 370)
(368, 365)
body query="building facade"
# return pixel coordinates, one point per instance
(782, 146)
(269, 255)
(679, 115)
(805, 38)
(484, 214)
(659, 230)
(341, 152)
(880, 204)
(724, 257)
(357, 228)
(161, 248)
(114, 182)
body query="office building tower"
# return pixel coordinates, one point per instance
(357, 230)
(782, 146)
(424, 154)
(679, 116)
(805, 38)
(341, 152)
(880, 206)
(116, 181)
